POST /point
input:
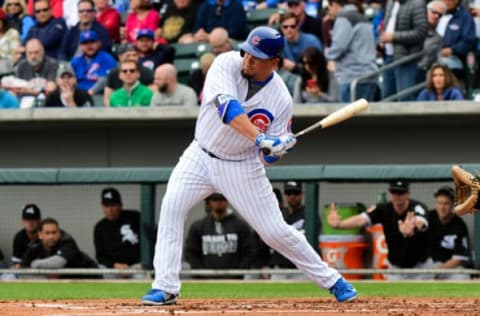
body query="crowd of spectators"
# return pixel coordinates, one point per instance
(324, 51)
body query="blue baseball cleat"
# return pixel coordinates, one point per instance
(343, 291)
(159, 297)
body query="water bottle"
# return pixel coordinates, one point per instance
(40, 100)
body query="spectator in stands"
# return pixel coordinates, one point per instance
(125, 52)
(306, 23)
(405, 226)
(294, 215)
(458, 31)
(228, 14)
(292, 81)
(449, 245)
(152, 55)
(317, 83)
(49, 30)
(352, 51)
(441, 85)
(55, 249)
(220, 41)
(405, 30)
(67, 93)
(31, 217)
(117, 235)
(9, 39)
(434, 42)
(197, 77)
(133, 93)
(38, 69)
(91, 68)
(109, 18)
(220, 240)
(295, 42)
(178, 21)
(18, 18)
(142, 16)
(7, 99)
(70, 45)
(56, 5)
(168, 91)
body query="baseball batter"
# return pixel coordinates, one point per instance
(246, 107)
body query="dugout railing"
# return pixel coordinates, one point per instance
(311, 175)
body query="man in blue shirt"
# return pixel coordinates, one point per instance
(92, 67)
(49, 30)
(295, 41)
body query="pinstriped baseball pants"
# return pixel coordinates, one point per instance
(245, 185)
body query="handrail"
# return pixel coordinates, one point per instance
(229, 272)
(405, 92)
(354, 83)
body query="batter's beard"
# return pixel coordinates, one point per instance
(246, 76)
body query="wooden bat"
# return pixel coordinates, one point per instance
(336, 117)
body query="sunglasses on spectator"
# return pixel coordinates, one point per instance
(289, 26)
(42, 10)
(17, 4)
(439, 14)
(86, 11)
(293, 4)
(131, 71)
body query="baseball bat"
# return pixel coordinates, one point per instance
(334, 118)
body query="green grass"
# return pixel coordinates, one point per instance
(86, 290)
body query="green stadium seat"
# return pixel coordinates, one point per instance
(259, 17)
(184, 67)
(191, 50)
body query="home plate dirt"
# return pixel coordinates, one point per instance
(245, 307)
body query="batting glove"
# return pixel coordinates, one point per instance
(276, 145)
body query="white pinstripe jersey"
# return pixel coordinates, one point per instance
(270, 109)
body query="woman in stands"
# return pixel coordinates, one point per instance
(318, 84)
(9, 42)
(17, 17)
(441, 85)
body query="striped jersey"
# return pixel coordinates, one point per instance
(270, 109)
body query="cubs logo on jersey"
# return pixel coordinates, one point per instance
(261, 118)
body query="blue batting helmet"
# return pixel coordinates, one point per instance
(263, 42)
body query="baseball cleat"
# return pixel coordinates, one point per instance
(159, 297)
(343, 291)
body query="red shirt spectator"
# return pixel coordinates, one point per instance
(109, 18)
(143, 16)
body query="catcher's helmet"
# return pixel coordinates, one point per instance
(263, 42)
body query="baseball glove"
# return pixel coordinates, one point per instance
(467, 187)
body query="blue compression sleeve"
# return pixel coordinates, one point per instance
(228, 108)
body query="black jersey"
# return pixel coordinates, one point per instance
(225, 244)
(448, 241)
(66, 247)
(118, 241)
(20, 244)
(404, 252)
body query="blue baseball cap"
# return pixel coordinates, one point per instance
(145, 33)
(88, 36)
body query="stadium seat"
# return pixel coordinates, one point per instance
(259, 17)
(184, 68)
(191, 50)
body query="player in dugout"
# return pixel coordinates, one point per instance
(246, 109)
(405, 226)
